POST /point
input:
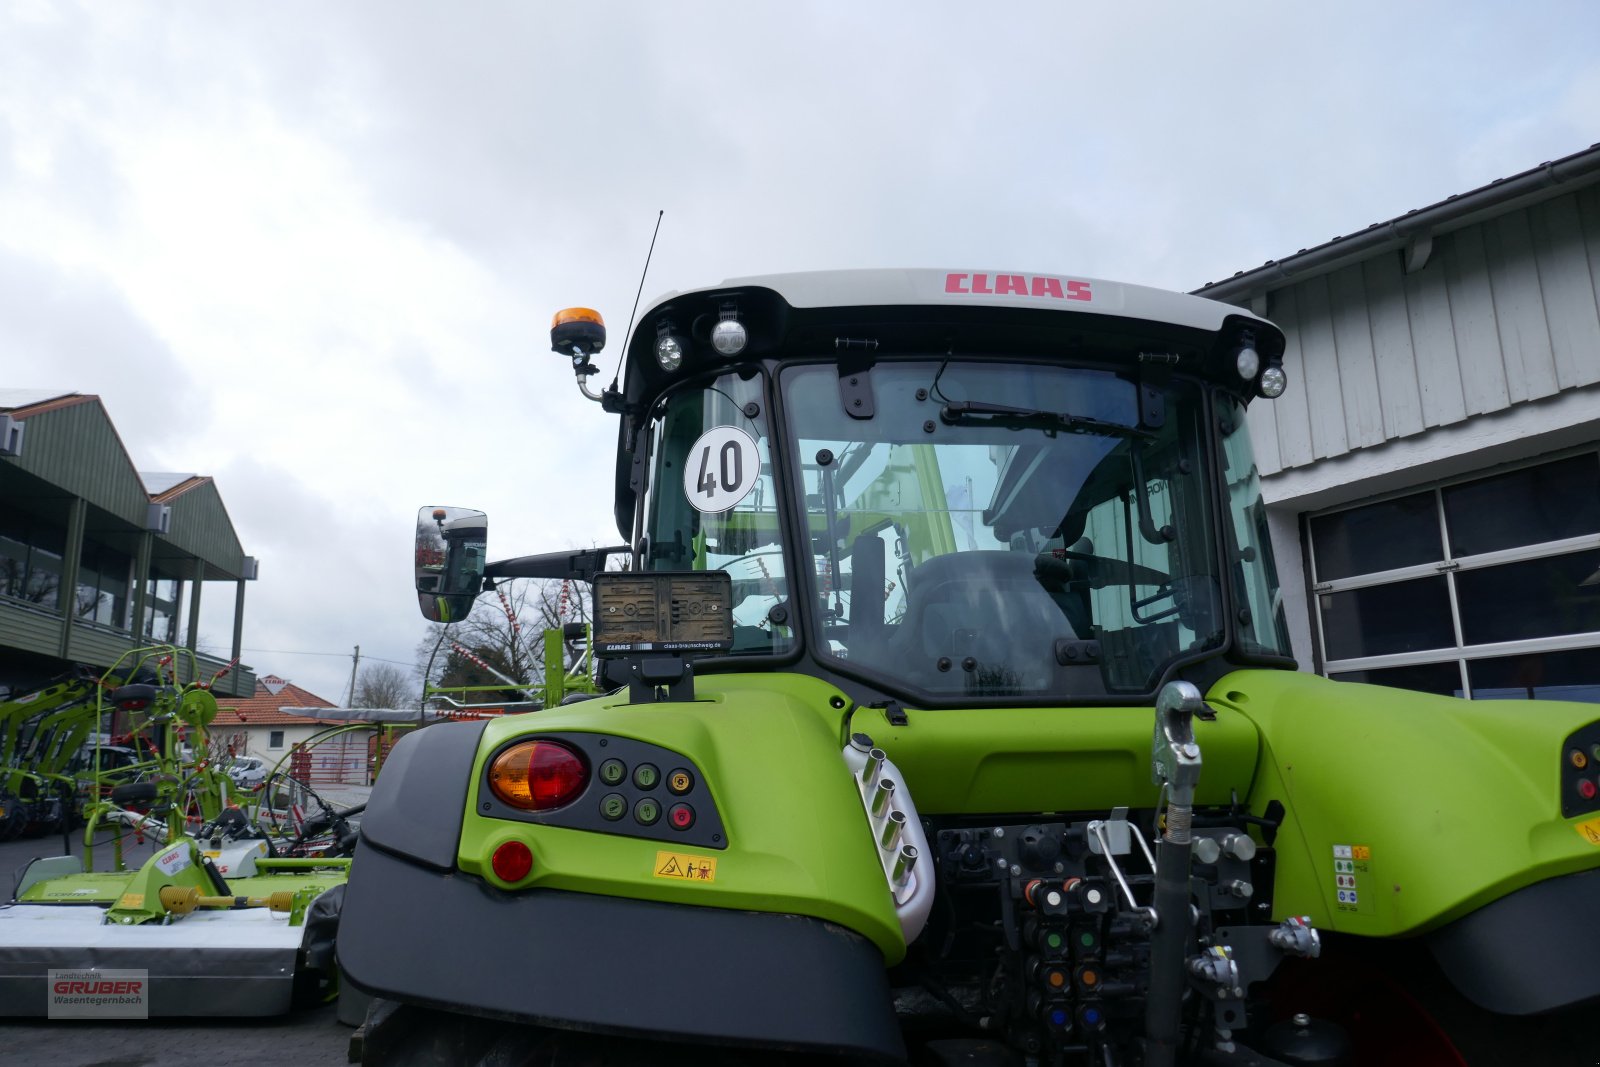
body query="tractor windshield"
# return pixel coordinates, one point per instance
(1005, 529)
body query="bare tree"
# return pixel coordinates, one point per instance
(384, 685)
(503, 639)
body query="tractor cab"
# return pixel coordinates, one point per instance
(955, 488)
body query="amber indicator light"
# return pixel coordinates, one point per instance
(537, 775)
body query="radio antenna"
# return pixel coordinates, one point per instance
(629, 332)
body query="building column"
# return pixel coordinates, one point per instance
(71, 561)
(197, 582)
(141, 585)
(238, 619)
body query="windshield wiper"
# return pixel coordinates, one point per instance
(955, 412)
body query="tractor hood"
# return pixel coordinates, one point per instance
(1407, 810)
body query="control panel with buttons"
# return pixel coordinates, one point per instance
(635, 789)
(1580, 772)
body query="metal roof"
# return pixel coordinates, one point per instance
(158, 482)
(72, 449)
(1419, 224)
(11, 399)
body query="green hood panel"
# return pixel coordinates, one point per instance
(1035, 760)
(768, 748)
(1435, 805)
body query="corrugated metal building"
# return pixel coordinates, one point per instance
(1432, 474)
(96, 558)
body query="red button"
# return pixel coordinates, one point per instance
(681, 816)
(1586, 789)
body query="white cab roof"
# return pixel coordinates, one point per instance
(997, 288)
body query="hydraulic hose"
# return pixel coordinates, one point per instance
(1169, 943)
(1174, 763)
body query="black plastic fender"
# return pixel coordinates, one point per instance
(1530, 951)
(616, 965)
(420, 797)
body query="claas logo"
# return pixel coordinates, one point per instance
(1039, 285)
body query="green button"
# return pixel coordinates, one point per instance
(1053, 940)
(613, 806)
(645, 776)
(613, 771)
(646, 812)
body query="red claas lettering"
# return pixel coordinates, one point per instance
(1033, 285)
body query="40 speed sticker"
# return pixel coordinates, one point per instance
(95, 993)
(723, 467)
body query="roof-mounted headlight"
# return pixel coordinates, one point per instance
(1273, 381)
(671, 347)
(1247, 360)
(669, 352)
(729, 336)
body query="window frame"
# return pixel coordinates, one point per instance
(1460, 653)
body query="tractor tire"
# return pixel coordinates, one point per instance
(133, 696)
(1401, 1010)
(134, 793)
(13, 817)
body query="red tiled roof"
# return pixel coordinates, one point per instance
(261, 709)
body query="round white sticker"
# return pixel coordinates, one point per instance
(722, 469)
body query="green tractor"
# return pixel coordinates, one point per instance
(951, 717)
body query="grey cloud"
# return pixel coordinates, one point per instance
(61, 328)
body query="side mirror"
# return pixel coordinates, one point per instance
(452, 550)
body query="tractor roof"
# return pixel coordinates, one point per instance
(969, 287)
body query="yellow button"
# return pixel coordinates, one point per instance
(1579, 760)
(680, 782)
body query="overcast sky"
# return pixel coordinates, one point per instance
(312, 249)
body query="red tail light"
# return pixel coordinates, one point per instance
(538, 775)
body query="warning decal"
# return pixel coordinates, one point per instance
(1589, 830)
(686, 867)
(1352, 881)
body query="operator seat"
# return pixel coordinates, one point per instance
(988, 607)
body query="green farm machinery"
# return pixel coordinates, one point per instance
(214, 922)
(949, 715)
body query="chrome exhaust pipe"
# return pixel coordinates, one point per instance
(903, 864)
(889, 833)
(882, 800)
(871, 770)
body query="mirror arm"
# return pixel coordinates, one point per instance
(582, 565)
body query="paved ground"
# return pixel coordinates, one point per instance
(305, 1039)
